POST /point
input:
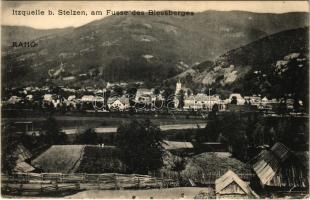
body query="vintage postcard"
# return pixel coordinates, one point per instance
(155, 99)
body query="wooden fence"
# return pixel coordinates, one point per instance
(45, 182)
(200, 178)
(38, 188)
(49, 182)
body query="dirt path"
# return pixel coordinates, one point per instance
(166, 193)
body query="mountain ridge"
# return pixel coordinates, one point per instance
(141, 48)
(252, 68)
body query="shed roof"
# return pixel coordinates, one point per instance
(202, 97)
(267, 162)
(266, 166)
(177, 145)
(280, 151)
(23, 167)
(144, 91)
(237, 95)
(123, 100)
(21, 153)
(277, 154)
(280, 167)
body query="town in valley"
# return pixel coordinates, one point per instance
(136, 98)
(207, 106)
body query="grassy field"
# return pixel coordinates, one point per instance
(166, 193)
(60, 158)
(67, 122)
(101, 160)
(80, 159)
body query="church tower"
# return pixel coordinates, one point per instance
(178, 87)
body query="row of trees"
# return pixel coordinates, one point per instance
(251, 130)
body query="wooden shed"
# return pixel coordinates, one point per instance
(280, 169)
(230, 186)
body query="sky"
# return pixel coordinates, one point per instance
(55, 21)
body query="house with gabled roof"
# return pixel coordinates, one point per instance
(118, 103)
(230, 186)
(144, 95)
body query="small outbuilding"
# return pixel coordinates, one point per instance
(281, 170)
(230, 186)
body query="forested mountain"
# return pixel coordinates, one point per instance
(133, 48)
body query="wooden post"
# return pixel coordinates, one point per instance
(155, 180)
(6, 184)
(162, 179)
(77, 185)
(138, 185)
(20, 188)
(56, 186)
(115, 181)
(98, 181)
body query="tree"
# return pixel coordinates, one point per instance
(118, 91)
(52, 134)
(215, 109)
(296, 105)
(131, 91)
(189, 92)
(106, 96)
(181, 99)
(212, 131)
(258, 134)
(8, 157)
(168, 96)
(179, 164)
(234, 100)
(140, 145)
(230, 129)
(156, 91)
(233, 128)
(10, 140)
(188, 79)
(281, 108)
(88, 137)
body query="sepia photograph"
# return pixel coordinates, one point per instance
(155, 99)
